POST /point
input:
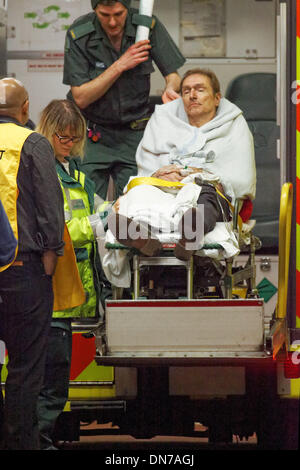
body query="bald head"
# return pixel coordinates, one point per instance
(13, 99)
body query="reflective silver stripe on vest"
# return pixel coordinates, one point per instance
(94, 220)
(98, 201)
(68, 214)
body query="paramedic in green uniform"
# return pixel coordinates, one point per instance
(109, 76)
(63, 125)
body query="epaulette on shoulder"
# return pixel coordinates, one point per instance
(81, 30)
(143, 20)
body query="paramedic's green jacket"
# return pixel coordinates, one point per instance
(88, 53)
(119, 117)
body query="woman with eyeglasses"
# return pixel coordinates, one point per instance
(63, 125)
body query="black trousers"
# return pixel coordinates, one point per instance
(25, 314)
(215, 207)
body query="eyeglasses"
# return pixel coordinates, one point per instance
(66, 140)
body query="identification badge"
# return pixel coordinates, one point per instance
(100, 65)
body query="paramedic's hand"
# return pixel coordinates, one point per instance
(172, 87)
(169, 94)
(169, 173)
(49, 260)
(135, 55)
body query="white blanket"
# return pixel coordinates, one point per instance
(223, 146)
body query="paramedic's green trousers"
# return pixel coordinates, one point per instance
(113, 155)
(54, 394)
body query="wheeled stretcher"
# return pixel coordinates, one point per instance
(179, 309)
(213, 264)
(198, 321)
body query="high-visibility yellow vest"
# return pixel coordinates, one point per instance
(77, 207)
(67, 286)
(12, 138)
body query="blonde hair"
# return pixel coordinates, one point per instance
(56, 117)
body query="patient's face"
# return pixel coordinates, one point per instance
(199, 99)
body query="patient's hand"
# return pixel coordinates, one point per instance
(196, 170)
(116, 206)
(169, 173)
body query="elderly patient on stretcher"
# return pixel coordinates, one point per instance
(195, 159)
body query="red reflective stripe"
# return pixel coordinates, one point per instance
(83, 353)
(297, 158)
(298, 18)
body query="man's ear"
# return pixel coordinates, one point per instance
(218, 97)
(25, 106)
(25, 111)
